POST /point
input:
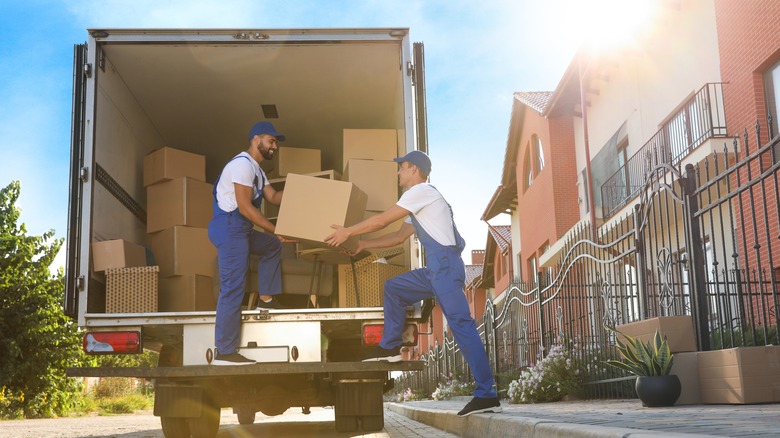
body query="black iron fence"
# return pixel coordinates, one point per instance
(702, 241)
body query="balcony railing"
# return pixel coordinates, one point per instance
(701, 118)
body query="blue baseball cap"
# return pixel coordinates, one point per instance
(417, 158)
(265, 128)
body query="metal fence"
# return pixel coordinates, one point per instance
(701, 241)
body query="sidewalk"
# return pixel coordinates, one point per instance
(597, 418)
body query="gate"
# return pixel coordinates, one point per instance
(700, 241)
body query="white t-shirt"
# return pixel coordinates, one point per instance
(245, 171)
(431, 211)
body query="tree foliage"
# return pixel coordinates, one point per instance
(37, 341)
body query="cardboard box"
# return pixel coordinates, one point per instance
(131, 290)
(371, 276)
(740, 375)
(270, 211)
(311, 205)
(686, 367)
(185, 293)
(183, 251)
(117, 253)
(168, 163)
(379, 179)
(295, 160)
(369, 144)
(678, 331)
(180, 201)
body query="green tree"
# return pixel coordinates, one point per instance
(37, 341)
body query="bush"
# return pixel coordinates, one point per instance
(452, 387)
(114, 387)
(409, 395)
(554, 376)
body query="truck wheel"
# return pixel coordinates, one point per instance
(173, 427)
(372, 423)
(207, 425)
(245, 415)
(346, 423)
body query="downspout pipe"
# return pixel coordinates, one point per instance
(582, 71)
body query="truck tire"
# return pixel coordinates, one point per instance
(174, 427)
(207, 425)
(372, 423)
(346, 423)
(245, 415)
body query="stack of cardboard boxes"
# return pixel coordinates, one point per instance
(179, 208)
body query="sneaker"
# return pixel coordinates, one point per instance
(478, 405)
(382, 355)
(231, 359)
(273, 304)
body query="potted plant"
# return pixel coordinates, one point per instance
(651, 362)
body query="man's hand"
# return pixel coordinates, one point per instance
(338, 237)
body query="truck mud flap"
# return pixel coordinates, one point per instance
(178, 401)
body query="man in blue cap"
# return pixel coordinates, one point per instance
(430, 216)
(238, 193)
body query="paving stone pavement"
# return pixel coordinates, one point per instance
(597, 418)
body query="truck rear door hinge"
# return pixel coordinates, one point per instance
(409, 69)
(84, 174)
(80, 282)
(87, 71)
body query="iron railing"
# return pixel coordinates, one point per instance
(700, 118)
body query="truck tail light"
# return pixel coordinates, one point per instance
(372, 334)
(112, 343)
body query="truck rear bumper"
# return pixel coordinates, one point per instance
(200, 371)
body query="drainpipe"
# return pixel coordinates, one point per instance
(583, 104)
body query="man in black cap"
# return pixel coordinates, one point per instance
(238, 193)
(430, 216)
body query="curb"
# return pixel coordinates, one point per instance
(504, 425)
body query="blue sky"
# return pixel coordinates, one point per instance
(477, 55)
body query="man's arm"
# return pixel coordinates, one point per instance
(373, 223)
(391, 239)
(271, 195)
(245, 207)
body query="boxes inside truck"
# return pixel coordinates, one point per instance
(183, 250)
(117, 253)
(168, 163)
(131, 290)
(369, 144)
(289, 160)
(379, 179)
(180, 201)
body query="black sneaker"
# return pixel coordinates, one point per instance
(479, 404)
(231, 359)
(382, 355)
(272, 304)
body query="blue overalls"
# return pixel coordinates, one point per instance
(443, 277)
(235, 239)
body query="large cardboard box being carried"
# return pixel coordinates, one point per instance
(379, 179)
(296, 160)
(369, 144)
(183, 251)
(677, 329)
(311, 205)
(185, 293)
(131, 290)
(740, 375)
(117, 253)
(180, 201)
(168, 163)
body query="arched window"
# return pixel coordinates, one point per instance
(528, 169)
(537, 142)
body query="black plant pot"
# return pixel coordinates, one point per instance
(658, 391)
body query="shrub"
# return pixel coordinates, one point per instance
(552, 377)
(114, 387)
(452, 387)
(409, 395)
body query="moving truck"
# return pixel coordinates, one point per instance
(157, 113)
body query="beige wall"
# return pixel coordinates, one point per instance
(644, 84)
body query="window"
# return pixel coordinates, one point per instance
(537, 142)
(532, 268)
(528, 169)
(772, 90)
